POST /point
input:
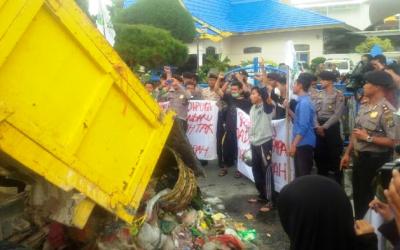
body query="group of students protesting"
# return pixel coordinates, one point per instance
(314, 210)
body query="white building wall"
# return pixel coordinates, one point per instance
(354, 15)
(353, 12)
(272, 45)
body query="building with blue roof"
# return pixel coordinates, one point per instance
(244, 29)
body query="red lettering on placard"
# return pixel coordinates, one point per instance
(243, 122)
(242, 135)
(279, 169)
(200, 149)
(200, 118)
(200, 129)
(279, 148)
(200, 106)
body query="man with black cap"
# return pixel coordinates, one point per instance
(372, 140)
(329, 106)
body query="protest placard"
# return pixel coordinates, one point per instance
(202, 121)
(279, 150)
(243, 126)
(280, 154)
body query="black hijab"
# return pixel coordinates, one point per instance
(316, 214)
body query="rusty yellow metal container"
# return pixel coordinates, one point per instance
(71, 111)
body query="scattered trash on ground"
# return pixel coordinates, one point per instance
(249, 216)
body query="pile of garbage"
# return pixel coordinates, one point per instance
(199, 226)
(175, 215)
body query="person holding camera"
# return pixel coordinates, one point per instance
(329, 105)
(372, 140)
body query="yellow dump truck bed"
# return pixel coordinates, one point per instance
(71, 110)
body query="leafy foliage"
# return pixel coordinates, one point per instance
(148, 46)
(366, 46)
(213, 63)
(315, 62)
(165, 14)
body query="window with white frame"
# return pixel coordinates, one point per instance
(302, 52)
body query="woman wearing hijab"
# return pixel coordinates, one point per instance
(317, 215)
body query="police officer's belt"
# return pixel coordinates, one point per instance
(370, 154)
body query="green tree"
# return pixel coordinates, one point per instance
(165, 14)
(315, 62)
(148, 46)
(366, 46)
(213, 63)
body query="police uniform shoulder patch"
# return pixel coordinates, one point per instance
(386, 109)
(388, 116)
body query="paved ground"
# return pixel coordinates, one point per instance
(235, 193)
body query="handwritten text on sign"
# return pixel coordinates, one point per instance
(243, 127)
(280, 153)
(202, 121)
(279, 150)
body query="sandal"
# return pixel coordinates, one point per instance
(258, 199)
(268, 207)
(265, 209)
(223, 172)
(252, 200)
(238, 175)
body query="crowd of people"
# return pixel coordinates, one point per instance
(314, 210)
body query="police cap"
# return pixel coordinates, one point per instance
(379, 78)
(327, 76)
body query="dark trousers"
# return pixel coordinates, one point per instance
(365, 165)
(182, 124)
(303, 160)
(229, 148)
(328, 152)
(220, 135)
(262, 170)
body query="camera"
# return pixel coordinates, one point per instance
(384, 175)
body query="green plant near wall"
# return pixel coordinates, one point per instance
(213, 63)
(366, 46)
(315, 62)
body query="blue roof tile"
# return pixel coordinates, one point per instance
(240, 16)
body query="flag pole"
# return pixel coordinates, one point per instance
(289, 84)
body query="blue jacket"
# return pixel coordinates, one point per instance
(304, 121)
